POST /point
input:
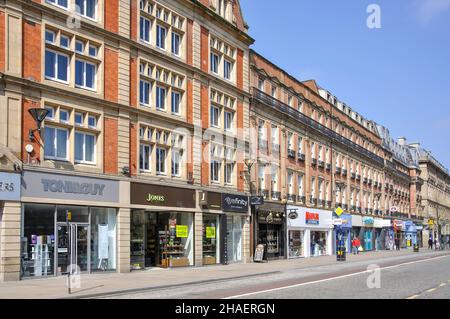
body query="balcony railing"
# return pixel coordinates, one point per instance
(312, 201)
(264, 193)
(344, 172)
(338, 170)
(329, 203)
(291, 153)
(291, 197)
(345, 207)
(301, 199)
(328, 168)
(319, 128)
(321, 164)
(358, 177)
(320, 202)
(353, 176)
(338, 205)
(365, 180)
(276, 195)
(313, 162)
(301, 157)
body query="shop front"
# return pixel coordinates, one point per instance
(398, 231)
(357, 228)
(419, 229)
(379, 233)
(9, 225)
(68, 221)
(410, 234)
(342, 231)
(162, 227)
(236, 209)
(309, 232)
(389, 234)
(368, 233)
(270, 225)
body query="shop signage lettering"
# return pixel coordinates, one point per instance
(312, 218)
(68, 187)
(398, 224)
(9, 186)
(65, 187)
(152, 198)
(6, 187)
(257, 200)
(234, 203)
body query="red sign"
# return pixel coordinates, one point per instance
(398, 225)
(312, 218)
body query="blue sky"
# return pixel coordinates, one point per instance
(398, 75)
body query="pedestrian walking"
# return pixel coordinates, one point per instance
(355, 245)
(430, 243)
(354, 248)
(396, 243)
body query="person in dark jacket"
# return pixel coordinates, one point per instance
(430, 243)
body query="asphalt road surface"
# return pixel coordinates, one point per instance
(389, 278)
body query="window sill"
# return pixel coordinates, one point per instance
(93, 90)
(57, 81)
(93, 164)
(54, 159)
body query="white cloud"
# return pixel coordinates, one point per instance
(428, 9)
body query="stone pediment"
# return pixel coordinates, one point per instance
(9, 161)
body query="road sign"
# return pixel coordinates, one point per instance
(339, 211)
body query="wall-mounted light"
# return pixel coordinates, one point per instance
(126, 170)
(39, 115)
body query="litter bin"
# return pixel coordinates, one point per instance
(416, 248)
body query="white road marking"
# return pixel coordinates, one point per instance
(333, 278)
(413, 297)
(443, 284)
(431, 290)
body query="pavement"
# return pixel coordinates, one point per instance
(221, 281)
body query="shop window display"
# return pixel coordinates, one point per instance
(318, 243)
(296, 244)
(103, 239)
(50, 242)
(234, 238)
(38, 241)
(137, 238)
(161, 239)
(210, 239)
(175, 237)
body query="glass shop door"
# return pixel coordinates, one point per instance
(73, 247)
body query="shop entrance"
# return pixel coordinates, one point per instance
(161, 239)
(368, 239)
(73, 248)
